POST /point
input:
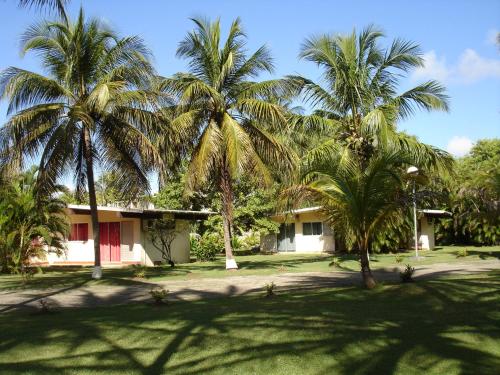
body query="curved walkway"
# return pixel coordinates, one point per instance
(88, 296)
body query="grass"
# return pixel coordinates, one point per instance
(443, 326)
(63, 277)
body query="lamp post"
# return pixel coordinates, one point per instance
(413, 171)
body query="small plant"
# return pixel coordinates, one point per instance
(269, 288)
(282, 268)
(335, 262)
(407, 275)
(159, 295)
(139, 271)
(398, 258)
(44, 306)
(462, 253)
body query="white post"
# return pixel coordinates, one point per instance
(415, 219)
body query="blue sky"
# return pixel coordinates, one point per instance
(456, 37)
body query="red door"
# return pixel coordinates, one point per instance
(109, 242)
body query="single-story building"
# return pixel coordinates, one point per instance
(124, 236)
(425, 227)
(303, 231)
(306, 230)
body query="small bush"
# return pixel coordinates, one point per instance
(269, 288)
(139, 271)
(44, 306)
(159, 295)
(282, 268)
(335, 262)
(462, 253)
(407, 275)
(398, 258)
(207, 246)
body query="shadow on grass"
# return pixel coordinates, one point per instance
(426, 327)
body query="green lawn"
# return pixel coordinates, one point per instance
(443, 326)
(249, 265)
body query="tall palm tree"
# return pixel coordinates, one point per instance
(357, 107)
(358, 100)
(228, 111)
(57, 5)
(91, 105)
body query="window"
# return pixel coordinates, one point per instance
(79, 232)
(312, 229)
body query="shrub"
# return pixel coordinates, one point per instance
(462, 253)
(159, 295)
(335, 262)
(269, 288)
(407, 275)
(207, 246)
(398, 258)
(139, 271)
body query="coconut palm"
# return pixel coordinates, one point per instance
(358, 201)
(228, 111)
(358, 101)
(90, 106)
(357, 107)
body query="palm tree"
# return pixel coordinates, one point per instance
(358, 102)
(355, 172)
(359, 201)
(91, 106)
(31, 224)
(229, 113)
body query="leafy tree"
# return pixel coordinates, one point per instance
(229, 112)
(113, 188)
(31, 225)
(91, 105)
(473, 198)
(358, 106)
(162, 234)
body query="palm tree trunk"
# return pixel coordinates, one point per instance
(97, 273)
(366, 272)
(227, 216)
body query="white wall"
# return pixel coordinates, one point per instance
(426, 238)
(180, 246)
(303, 243)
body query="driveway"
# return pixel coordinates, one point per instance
(97, 295)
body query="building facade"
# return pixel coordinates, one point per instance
(124, 236)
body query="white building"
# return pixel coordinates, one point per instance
(303, 231)
(306, 231)
(124, 237)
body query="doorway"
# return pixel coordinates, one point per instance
(286, 237)
(109, 241)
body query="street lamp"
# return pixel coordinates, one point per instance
(413, 172)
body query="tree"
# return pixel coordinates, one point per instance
(229, 112)
(358, 107)
(113, 188)
(92, 105)
(31, 224)
(162, 233)
(473, 198)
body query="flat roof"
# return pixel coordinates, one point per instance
(436, 213)
(299, 211)
(147, 213)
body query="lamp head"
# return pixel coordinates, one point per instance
(412, 170)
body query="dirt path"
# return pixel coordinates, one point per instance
(87, 296)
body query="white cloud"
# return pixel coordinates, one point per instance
(459, 146)
(473, 67)
(434, 68)
(469, 68)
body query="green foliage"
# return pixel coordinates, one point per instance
(159, 295)
(206, 247)
(473, 198)
(398, 258)
(139, 271)
(462, 253)
(407, 275)
(114, 188)
(270, 289)
(31, 224)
